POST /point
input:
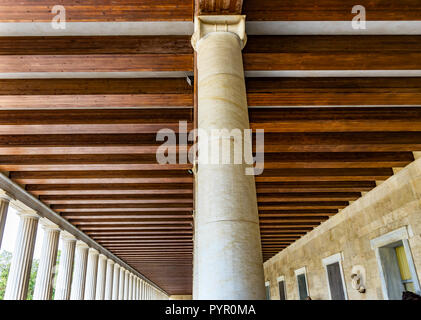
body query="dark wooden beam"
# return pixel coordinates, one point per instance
(91, 10)
(94, 93)
(333, 91)
(332, 10)
(77, 177)
(110, 189)
(96, 54)
(218, 7)
(333, 53)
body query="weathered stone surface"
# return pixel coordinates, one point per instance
(393, 204)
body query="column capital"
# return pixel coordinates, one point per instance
(23, 210)
(93, 251)
(4, 195)
(204, 25)
(102, 256)
(66, 236)
(81, 244)
(48, 225)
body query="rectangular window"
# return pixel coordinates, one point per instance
(267, 285)
(302, 283)
(281, 288)
(335, 277)
(396, 267)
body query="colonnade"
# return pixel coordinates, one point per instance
(83, 272)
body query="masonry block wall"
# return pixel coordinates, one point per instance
(393, 204)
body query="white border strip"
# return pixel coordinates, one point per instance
(95, 75)
(97, 28)
(187, 28)
(332, 28)
(333, 73)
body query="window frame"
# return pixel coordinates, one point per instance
(298, 272)
(335, 258)
(401, 234)
(267, 289)
(278, 280)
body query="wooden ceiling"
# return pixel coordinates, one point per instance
(86, 147)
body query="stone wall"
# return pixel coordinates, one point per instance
(392, 204)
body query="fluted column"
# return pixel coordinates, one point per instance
(47, 262)
(65, 269)
(109, 284)
(91, 272)
(227, 236)
(79, 274)
(130, 293)
(142, 291)
(116, 278)
(121, 283)
(5, 199)
(126, 285)
(137, 289)
(20, 268)
(101, 277)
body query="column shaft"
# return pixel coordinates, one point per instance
(109, 284)
(65, 269)
(229, 258)
(116, 278)
(91, 273)
(20, 268)
(79, 274)
(121, 283)
(101, 277)
(4, 207)
(126, 285)
(44, 280)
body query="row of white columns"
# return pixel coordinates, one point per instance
(83, 273)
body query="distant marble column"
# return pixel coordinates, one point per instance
(91, 272)
(121, 283)
(130, 293)
(101, 277)
(20, 268)
(137, 289)
(79, 274)
(65, 269)
(126, 285)
(116, 278)
(109, 280)
(5, 199)
(141, 289)
(44, 281)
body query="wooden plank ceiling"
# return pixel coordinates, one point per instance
(86, 147)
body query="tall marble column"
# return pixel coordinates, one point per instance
(91, 272)
(126, 285)
(47, 263)
(101, 277)
(65, 268)
(227, 238)
(116, 280)
(137, 289)
(130, 293)
(121, 283)
(79, 274)
(109, 284)
(5, 199)
(20, 268)
(141, 289)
